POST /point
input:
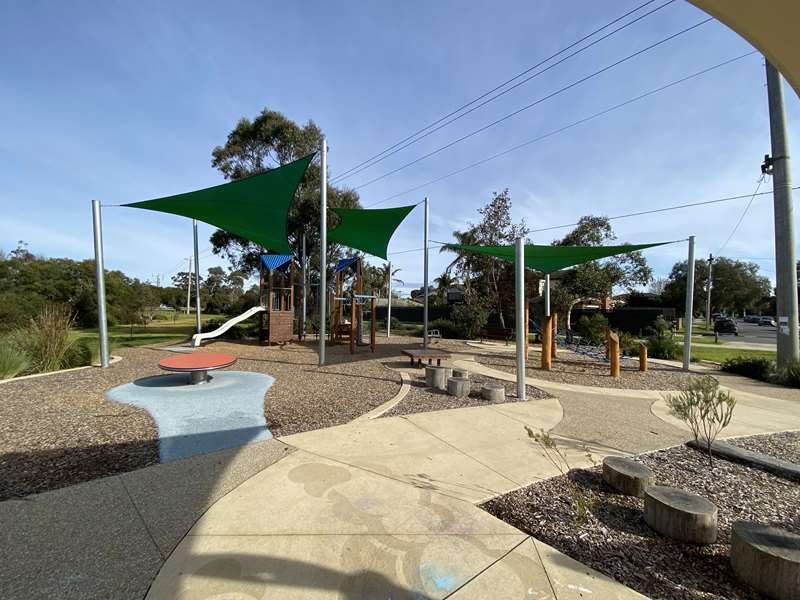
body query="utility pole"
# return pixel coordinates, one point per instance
(189, 287)
(689, 311)
(425, 282)
(708, 291)
(785, 260)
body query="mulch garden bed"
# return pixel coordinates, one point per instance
(615, 540)
(421, 398)
(578, 369)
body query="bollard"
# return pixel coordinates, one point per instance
(642, 356)
(547, 333)
(613, 352)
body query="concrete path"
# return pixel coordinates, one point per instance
(386, 508)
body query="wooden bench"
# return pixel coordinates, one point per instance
(429, 354)
(496, 333)
(197, 364)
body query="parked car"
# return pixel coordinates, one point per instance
(752, 319)
(723, 326)
(766, 322)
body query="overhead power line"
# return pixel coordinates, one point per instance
(447, 120)
(741, 218)
(564, 128)
(537, 102)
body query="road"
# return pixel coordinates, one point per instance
(752, 335)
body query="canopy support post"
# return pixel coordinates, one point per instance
(547, 294)
(389, 304)
(100, 278)
(323, 245)
(520, 310)
(196, 279)
(425, 281)
(305, 292)
(689, 311)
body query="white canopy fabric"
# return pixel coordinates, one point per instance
(772, 27)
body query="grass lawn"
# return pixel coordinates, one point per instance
(719, 354)
(158, 332)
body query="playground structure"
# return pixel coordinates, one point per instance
(276, 320)
(350, 303)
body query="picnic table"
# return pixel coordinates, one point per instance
(197, 364)
(429, 354)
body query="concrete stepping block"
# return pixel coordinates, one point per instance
(493, 392)
(458, 387)
(627, 476)
(436, 377)
(767, 558)
(680, 515)
(461, 373)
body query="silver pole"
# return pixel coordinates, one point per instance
(323, 245)
(708, 290)
(100, 278)
(188, 287)
(520, 305)
(547, 294)
(196, 279)
(425, 282)
(689, 311)
(389, 305)
(305, 288)
(785, 259)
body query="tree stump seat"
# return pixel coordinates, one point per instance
(436, 377)
(627, 476)
(679, 515)
(461, 373)
(767, 558)
(458, 387)
(493, 392)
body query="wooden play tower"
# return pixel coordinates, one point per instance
(276, 295)
(347, 308)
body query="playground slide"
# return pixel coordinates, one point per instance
(199, 337)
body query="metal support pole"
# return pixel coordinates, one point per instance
(323, 245)
(688, 312)
(709, 288)
(520, 320)
(305, 290)
(100, 278)
(196, 279)
(189, 283)
(785, 259)
(389, 304)
(547, 294)
(425, 280)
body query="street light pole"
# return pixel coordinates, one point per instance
(785, 259)
(688, 312)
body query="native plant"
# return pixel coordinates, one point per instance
(13, 361)
(581, 501)
(47, 341)
(705, 408)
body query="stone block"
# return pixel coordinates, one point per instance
(436, 377)
(493, 392)
(458, 387)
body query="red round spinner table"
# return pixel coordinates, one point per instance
(197, 364)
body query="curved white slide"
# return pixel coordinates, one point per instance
(199, 337)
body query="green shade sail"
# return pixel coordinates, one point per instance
(549, 259)
(368, 230)
(255, 208)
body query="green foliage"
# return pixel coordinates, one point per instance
(469, 318)
(628, 343)
(705, 408)
(581, 502)
(661, 343)
(237, 332)
(789, 375)
(47, 341)
(760, 368)
(13, 361)
(448, 329)
(592, 328)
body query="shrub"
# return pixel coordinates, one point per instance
(47, 341)
(661, 343)
(754, 367)
(704, 408)
(789, 375)
(13, 361)
(470, 318)
(628, 343)
(237, 332)
(592, 328)
(447, 328)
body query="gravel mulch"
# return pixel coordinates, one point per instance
(784, 445)
(421, 398)
(578, 369)
(59, 430)
(615, 540)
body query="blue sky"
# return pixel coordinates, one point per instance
(125, 101)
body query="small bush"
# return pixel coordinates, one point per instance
(470, 318)
(760, 368)
(47, 340)
(661, 343)
(789, 375)
(592, 328)
(704, 408)
(629, 344)
(13, 361)
(447, 328)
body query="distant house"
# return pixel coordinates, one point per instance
(455, 295)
